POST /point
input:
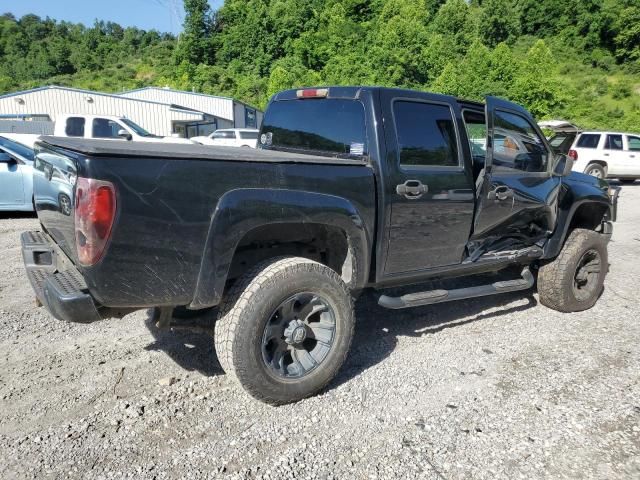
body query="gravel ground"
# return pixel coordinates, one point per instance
(498, 387)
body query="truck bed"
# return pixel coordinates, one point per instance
(179, 151)
(182, 209)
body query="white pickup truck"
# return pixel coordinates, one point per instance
(107, 127)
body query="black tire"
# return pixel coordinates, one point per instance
(627, 181)
(560, 284)
(596, 170)
(251, 305)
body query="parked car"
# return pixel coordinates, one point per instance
(351, 188)
(230, 137)
(16, 165)
(607, 155)
(564, 134)
(107, 127)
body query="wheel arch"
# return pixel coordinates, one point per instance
(266, 219)
(587, 213)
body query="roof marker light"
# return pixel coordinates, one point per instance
(312, 93)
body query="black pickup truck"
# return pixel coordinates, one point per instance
(350, 188)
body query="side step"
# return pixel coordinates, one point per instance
(439, 296)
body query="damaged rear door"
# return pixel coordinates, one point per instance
(516, 193)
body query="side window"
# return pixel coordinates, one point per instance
(224, 134)
(517, 145)
(634, 143)
(426, 134)
(105, 128)
(613, 142)
(588, 140)
(74, 127)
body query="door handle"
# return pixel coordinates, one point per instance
(606, 154)
(500, 193)
(632, 156)
(412, 189)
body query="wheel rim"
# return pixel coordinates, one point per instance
(298, 335)
(596, 172)
(585, 280)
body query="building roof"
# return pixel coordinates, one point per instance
(90, 92)
(173, 90)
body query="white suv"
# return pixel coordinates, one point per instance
(230, 137)
(607, 155)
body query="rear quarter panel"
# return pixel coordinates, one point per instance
(165, 211)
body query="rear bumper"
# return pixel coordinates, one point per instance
(57, 283)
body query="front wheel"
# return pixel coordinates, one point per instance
(284, 329)
(573, 281)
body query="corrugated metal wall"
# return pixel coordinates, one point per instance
(18, 126)
(218, 106)
(154, 117)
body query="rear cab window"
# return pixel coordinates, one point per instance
(426, 134)
(332, 127)
(588, 140)
(74, 127)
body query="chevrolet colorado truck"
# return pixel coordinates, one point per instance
(351, 188)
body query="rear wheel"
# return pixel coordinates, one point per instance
(285, 328)
(573, 281)
(596, 170)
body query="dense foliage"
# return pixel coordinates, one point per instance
(577, 59)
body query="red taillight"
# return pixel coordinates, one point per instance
(573, 155)
(312, 93)
(94, 214)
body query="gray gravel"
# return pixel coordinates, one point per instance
(492, 388)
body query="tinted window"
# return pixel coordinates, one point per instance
(249, 135)
(104, 128)
(588, 140)
(426, 134)
(15, 147)
(74, 127)
(613, 142)
(224, 134)
(634, 143)
(476, 127)
(331, 127)
(517, 145)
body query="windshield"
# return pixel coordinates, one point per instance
(17, 148)
(137, 128)
(329, 127)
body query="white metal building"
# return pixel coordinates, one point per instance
(228, 112)
(160, 111)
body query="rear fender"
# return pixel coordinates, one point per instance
(240, 211)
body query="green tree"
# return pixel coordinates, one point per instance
(499, 22)
(194, 45)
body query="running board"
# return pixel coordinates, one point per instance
(439, 296)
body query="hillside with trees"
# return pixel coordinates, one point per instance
(575, 59)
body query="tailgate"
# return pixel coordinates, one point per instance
(54, 179)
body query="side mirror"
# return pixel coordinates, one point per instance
(563, 165)
(122, 133)
(6, 158)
